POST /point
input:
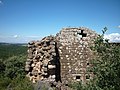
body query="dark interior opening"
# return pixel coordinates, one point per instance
(57, 72)
(87, 63)
(48, 43)
(83, 34)
(51, 72)
(77, 77)
(55, 61)
(87, 76)
(66, 84)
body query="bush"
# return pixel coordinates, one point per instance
(13, 76)
(20, 84)
(4, 82)
(14, 67)
(2, 68)
(106, 66)
(12, 72)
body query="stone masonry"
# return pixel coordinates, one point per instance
(64, 57)
(75, 53)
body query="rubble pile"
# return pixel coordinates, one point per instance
(41, 62)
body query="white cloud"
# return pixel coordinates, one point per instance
(1, 2)
(18, 38)
(113, 37)
(119, 26)
(15, 36)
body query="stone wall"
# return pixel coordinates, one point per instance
(42, 62)
(75, 53)
(63, 58)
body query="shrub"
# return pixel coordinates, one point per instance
(15, 67)
(106, 66)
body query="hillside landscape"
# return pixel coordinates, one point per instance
(59, 44)
(12, 61)
(106, 68)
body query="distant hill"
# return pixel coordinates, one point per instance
(19, 44)
(8, 50)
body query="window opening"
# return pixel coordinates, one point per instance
(77, 77)
(87, 76)
(81, 34)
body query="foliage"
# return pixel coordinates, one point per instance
(12, 62)
(76, 85)
(9, 50)
(15, 84)
(106, 66)
(2, 67)
(20, 84)
(14, 66)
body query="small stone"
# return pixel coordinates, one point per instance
(68, 63)
(66, 55)
(66, 47)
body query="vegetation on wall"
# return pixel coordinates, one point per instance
(106, 66)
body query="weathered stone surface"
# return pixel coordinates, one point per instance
(75, 52)
(63, 58)
(40, 58)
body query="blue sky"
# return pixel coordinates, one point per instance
(25, 20)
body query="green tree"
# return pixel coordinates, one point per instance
(15, 66)
(12, 63)
(2, 68)
(106, 65)
(13, 77)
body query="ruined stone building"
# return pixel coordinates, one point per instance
(64, 57)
